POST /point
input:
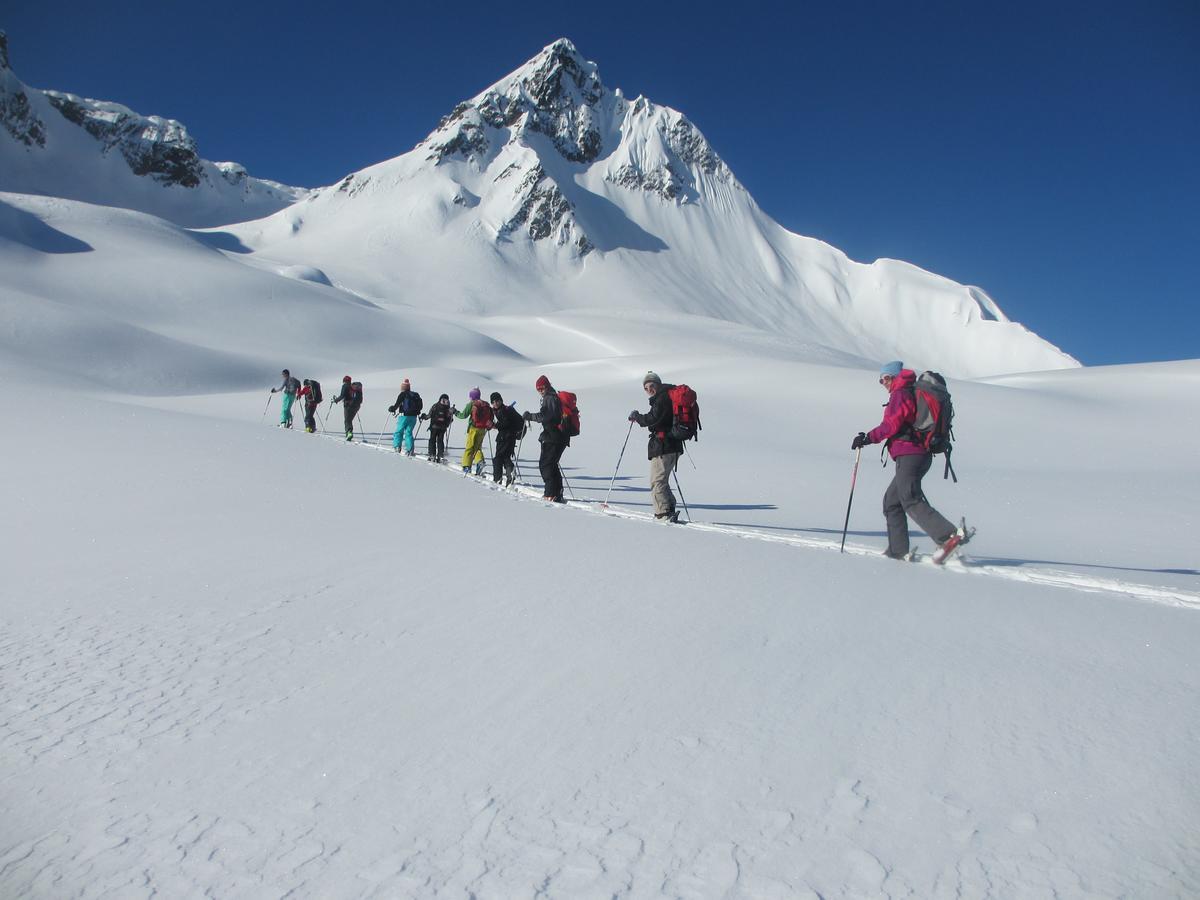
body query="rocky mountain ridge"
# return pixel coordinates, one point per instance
(103, 152)
(558, 96)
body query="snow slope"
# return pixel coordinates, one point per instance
(547, 191)
(61, 145)
(242, 661)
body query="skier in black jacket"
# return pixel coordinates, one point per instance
(510, 425)
(553, 440)
(662, 450)
(351, 400)
(439, 417)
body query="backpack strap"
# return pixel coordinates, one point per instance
(949, 468)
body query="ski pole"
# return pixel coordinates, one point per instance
(688, 455)
(682, 499)
(517, 455)
(385, 424)
(853, 478)
(563, 476)
(270, 397)
(617, 469)
(325, 418)
(361, 429)
(491, 452)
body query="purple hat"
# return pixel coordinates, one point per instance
(474, 394)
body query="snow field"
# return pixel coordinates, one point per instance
(246, 661)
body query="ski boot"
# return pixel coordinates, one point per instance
(961, 535)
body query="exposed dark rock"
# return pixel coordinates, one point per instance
(159, 148)
(556, 98)
(545, 212)
(353, 184)
(16, 114)
(693, 149)
(233, 173)
(510, 169)
(663, 181)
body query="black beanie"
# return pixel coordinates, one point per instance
(496, 398)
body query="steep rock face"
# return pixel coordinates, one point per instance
(62, 145)
(16, 113)
(557, 106)
(545, 214)
(156, 147)
(555, 94)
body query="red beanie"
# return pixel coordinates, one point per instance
(345, 378)
(542, 383)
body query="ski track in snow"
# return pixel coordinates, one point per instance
(961, 563)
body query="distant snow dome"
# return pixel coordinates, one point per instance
(306, 273)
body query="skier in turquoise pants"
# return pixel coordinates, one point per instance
(407, 407)
(290, 387)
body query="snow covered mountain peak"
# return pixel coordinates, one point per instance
(555, 93)
(62, 145)
(550, 191)
(552, 123)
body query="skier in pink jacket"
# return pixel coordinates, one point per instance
(904, 496)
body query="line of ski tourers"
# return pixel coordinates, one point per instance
(916, 426)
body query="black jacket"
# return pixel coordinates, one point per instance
(346, 395)
(508, 421)
(659, 420)
(550, 415)
(413, 397)
(439, 416)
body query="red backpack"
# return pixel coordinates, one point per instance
(481, 415)
(686, 412)
(570, 414)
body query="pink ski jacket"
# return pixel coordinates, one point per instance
(900, 413)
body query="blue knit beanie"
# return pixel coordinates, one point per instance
(891, 368)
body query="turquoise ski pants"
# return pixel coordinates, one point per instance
(405, 426)
(285, 411)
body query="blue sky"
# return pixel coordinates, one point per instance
(1048, 153)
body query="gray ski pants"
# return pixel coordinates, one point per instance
(661, 468)
(905, 496)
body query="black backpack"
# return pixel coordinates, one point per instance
(933, 427)
(412, 404)
(315, 386)
(356, 393)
